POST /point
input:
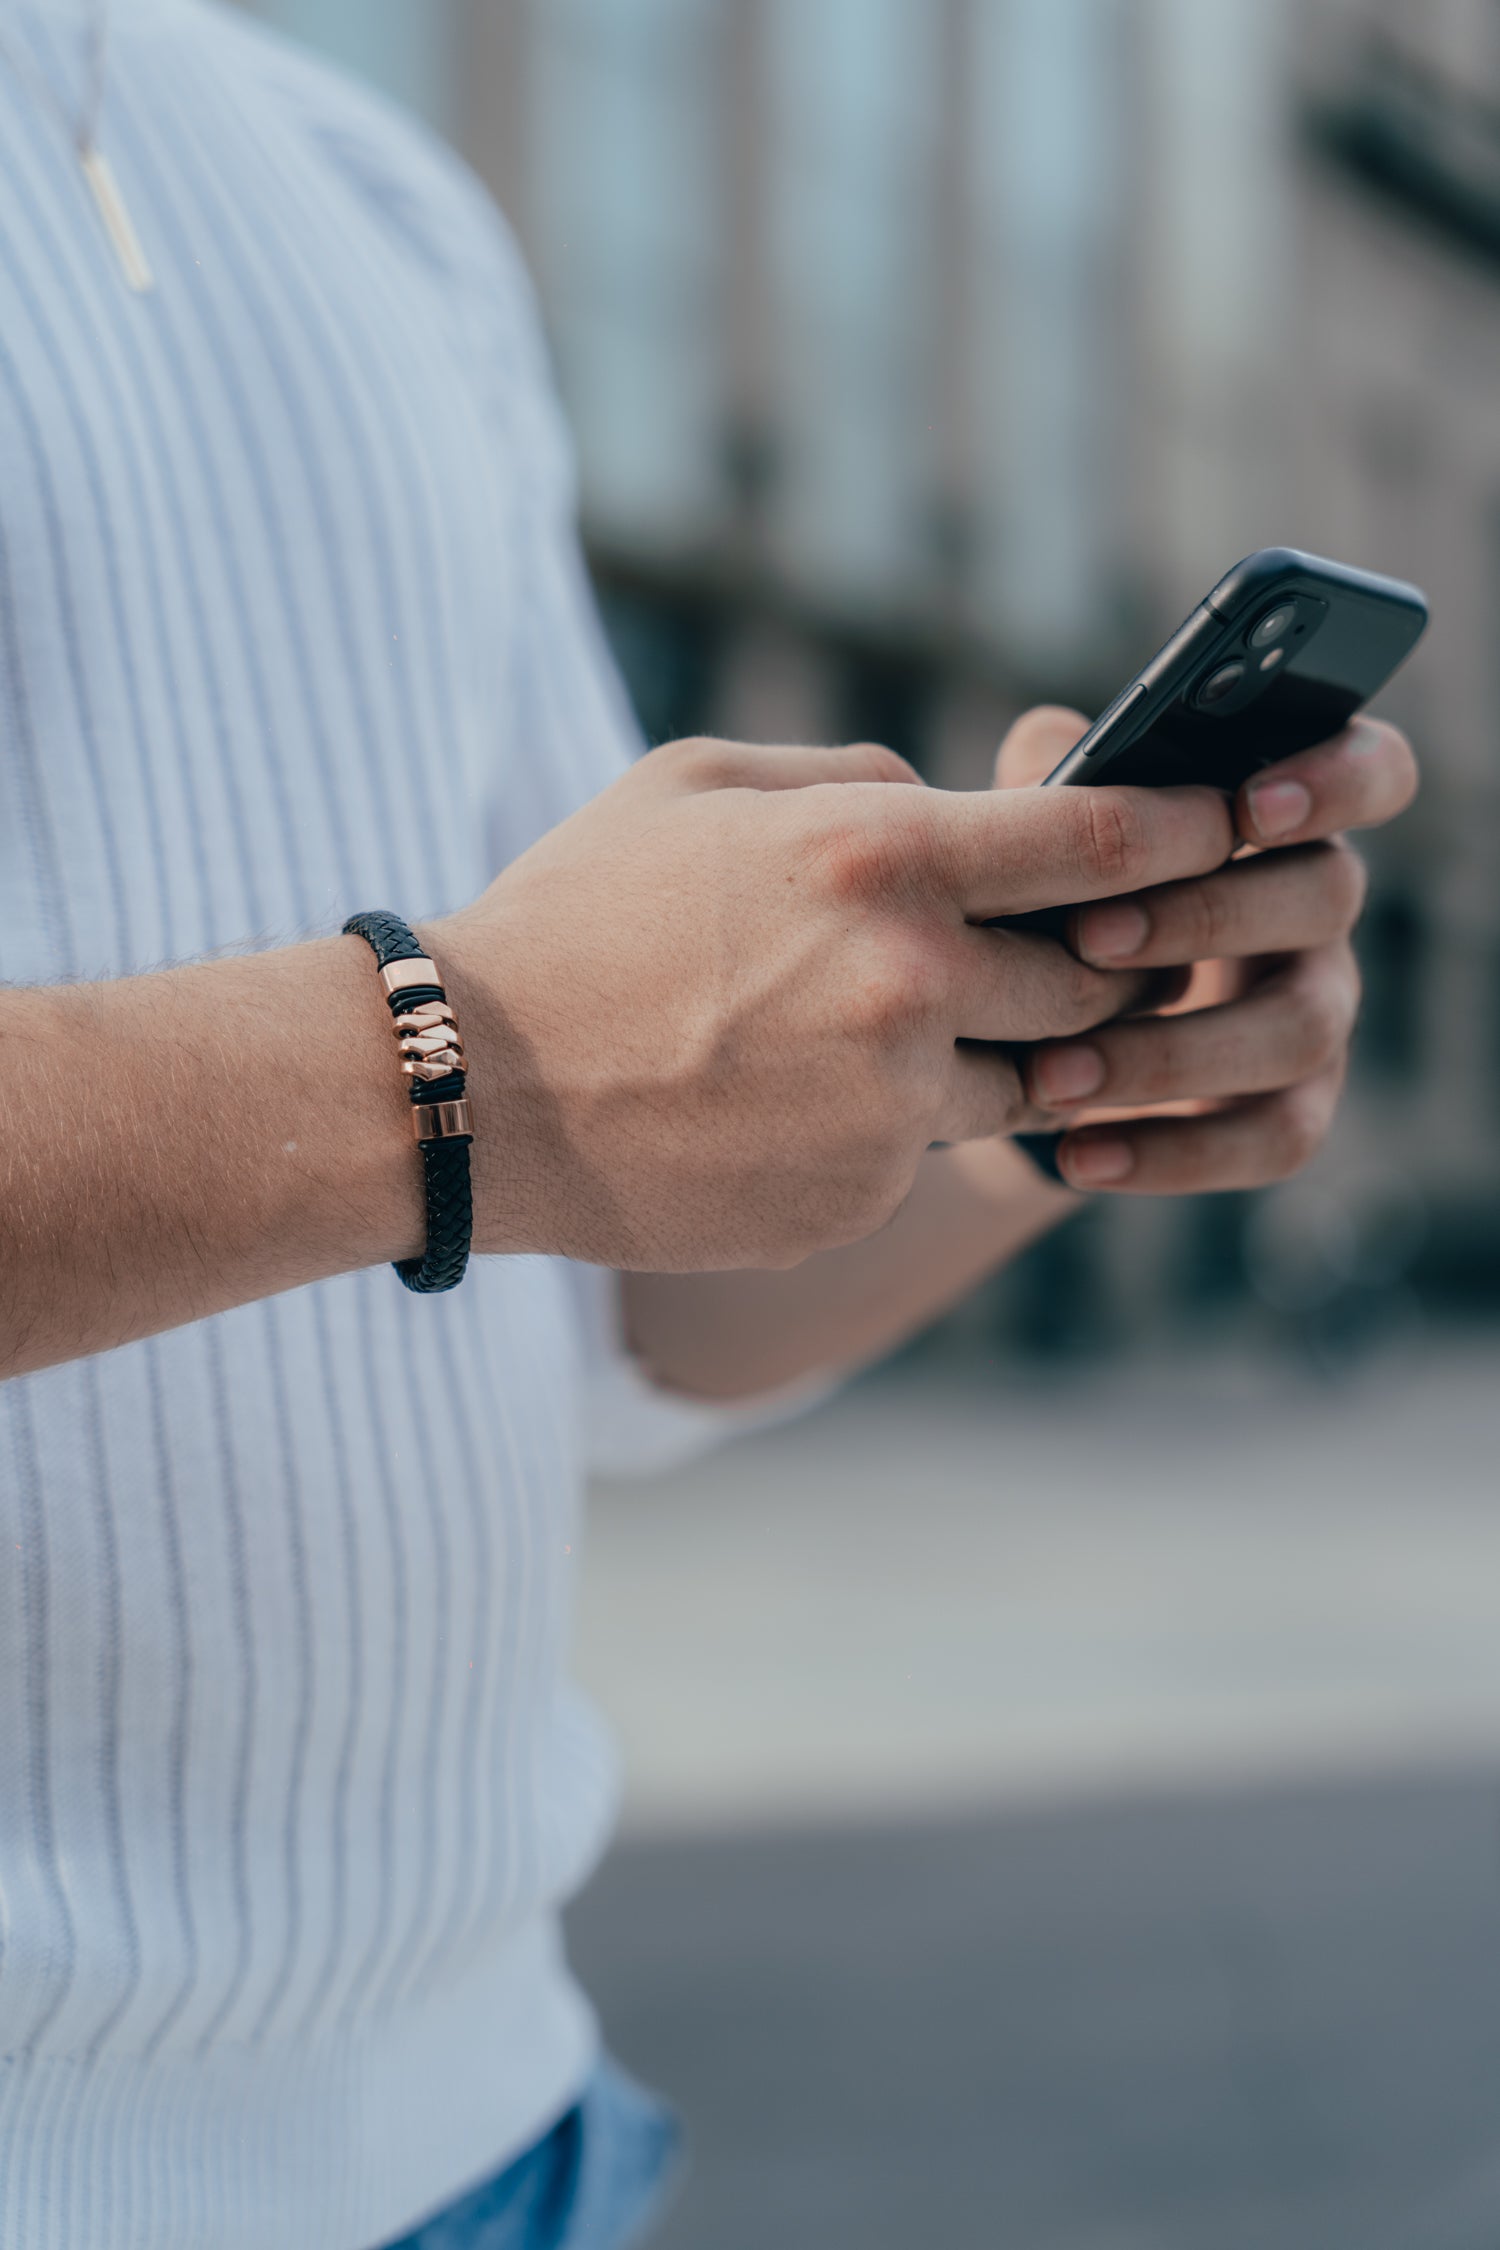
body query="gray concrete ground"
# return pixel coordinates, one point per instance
(1256, 2023)
(1067, 1818)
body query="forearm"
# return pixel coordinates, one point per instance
(740, 1335)
(180, 1143)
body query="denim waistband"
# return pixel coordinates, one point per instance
(595, 2182)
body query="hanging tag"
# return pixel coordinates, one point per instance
(99, 173)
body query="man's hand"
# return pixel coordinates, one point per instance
(1262, 1047)
(717, 1017)
(714, 1020)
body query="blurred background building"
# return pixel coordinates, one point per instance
(1061, 1812)
(931, 357)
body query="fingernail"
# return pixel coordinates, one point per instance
(1097, 1163)
(1278, 807)
(1068, 1074)
(1113, 933)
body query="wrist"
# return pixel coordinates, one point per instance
(299, 1144)
(373, 1162)
(508, 1157)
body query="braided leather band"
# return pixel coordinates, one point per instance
(433, 1060)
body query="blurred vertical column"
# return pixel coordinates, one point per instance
(623, 196)
(1047, 387)
(1205, 353)
(775, 682)
(494, 125)
(411, 51)
(971, 710)
(1048, 393)
(602, 129)
(851, 118)
(1213, 284)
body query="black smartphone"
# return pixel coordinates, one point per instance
(1279, 656)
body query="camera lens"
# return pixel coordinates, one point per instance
(1221, 683)
(1273, 625)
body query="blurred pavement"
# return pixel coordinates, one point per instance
(940, 1592)
(1116, 1868)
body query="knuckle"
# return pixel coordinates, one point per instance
(1156, 1072)
(868, 857)
(1318, 1022)
(1297, 1133)
(1013, 1104)
(1085, 997)
(1208, 919)
(853, 859)
(1112, 838)
(699, 761)
(1351, 885)
(724, 765)
(1354, 986)
(901, 986)
(867, 1200)
(1068, 995)
(880, 763)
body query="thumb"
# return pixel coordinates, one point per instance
(1038, 741)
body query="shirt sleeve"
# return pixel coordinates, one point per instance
(635, 1428)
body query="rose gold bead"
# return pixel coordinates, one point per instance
(400, 976)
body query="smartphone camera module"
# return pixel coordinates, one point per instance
(1275, 625)
(1220, 685)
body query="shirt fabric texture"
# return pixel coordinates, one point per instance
(292, 622)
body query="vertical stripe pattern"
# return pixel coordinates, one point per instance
(291, 1779)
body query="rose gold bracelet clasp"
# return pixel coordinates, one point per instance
(442, 1121)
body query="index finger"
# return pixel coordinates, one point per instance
(1363, 778)
(1011, 851)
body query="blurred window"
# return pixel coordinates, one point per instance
(888, 698)
(1046, 186)
(1413, 126)
(1394, 948)
(628, 193)
(1216, 275)
(668, 651)
(852, 94)
(410, 51)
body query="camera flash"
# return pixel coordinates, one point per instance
(1269, 663)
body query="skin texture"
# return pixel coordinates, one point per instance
(1273, 972)
(743, 993)
(715, 1020)
(194, 1155)
(1265, 1044)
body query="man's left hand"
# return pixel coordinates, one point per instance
(1253, 1057)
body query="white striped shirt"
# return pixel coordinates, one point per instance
(291, 1778)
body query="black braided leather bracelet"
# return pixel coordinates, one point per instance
(433, 1060)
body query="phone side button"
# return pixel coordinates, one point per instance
(1106, 728)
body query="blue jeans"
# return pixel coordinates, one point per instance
(595, 2183)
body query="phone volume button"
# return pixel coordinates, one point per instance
(1106, 728)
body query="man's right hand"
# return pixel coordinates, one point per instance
(716, 1018)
